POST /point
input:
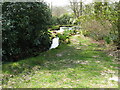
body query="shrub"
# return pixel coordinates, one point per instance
(64, 38)
(65, 19)
(24, 29)
(97, 29)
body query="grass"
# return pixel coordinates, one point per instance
(80, 64)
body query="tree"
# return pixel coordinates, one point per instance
(118, 25)
(24, 29)
(77, 7)
(88, 9)
(98, 9)
(65, 19)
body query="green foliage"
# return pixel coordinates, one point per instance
(63, 38)
(24, 29)
(96, 29)
(102, 23)
(65, 19)
(107, 39)
(55, 27)
(109, 12)
(54, 20)
(98, 8)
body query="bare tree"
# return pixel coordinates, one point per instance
(76, 7)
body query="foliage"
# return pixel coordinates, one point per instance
(54, 20)
(102, 23)
(96, 29)
(63, 38)
(24, 29)
(65, 19)
(55, 27)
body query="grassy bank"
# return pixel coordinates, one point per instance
(80, 64)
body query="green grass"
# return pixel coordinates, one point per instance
(80, 64)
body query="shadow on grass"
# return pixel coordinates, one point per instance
(70, 57)
(61, 58)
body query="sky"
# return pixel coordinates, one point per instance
(66, 2)
(62, 2)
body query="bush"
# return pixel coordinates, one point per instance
(102, 22)
(24, 29)
(64, 38)
(97, 29)
(65, 19)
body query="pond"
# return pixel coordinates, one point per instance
(62, 29)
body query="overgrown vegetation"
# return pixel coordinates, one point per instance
(25, 29)
(101, 23)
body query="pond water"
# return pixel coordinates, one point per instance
(66, 28)
(62, 29)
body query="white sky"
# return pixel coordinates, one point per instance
(63, 2)
(66, 2)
